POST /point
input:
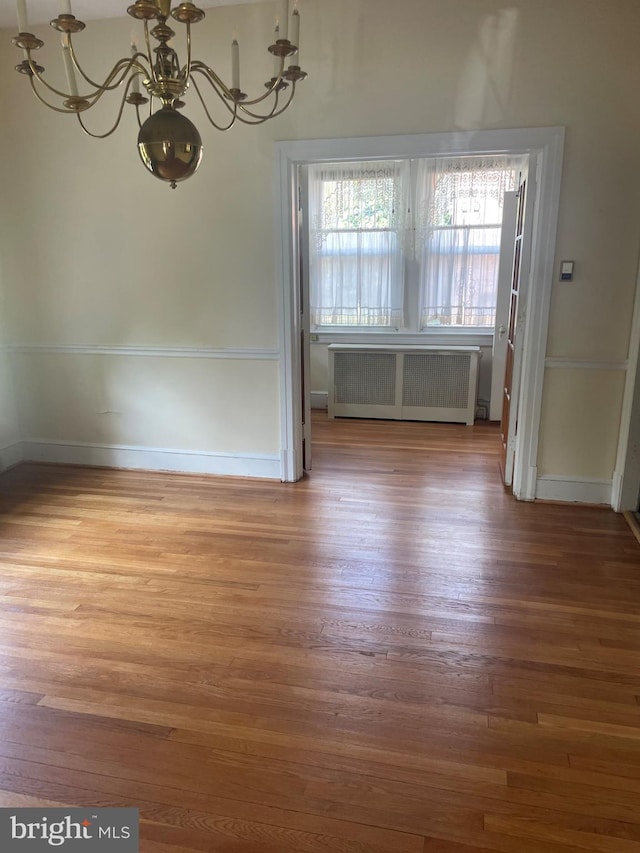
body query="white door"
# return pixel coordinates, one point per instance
(505, 268)
(516, 323)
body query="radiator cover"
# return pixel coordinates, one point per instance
(403, 383)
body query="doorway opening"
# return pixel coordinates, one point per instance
(406, 255)
(541, 146)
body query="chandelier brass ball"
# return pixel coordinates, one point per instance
(170, 146)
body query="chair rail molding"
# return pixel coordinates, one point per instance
(583, 364)
(148, 351)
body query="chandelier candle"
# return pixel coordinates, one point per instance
(235, 65)
(276, 59)
(295, 29)
(23, 21)
(169, 144)
(69, 69)
(284, 19)
(135, 80)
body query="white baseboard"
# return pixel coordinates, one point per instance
(319, 400)
(10, 455)
(152, 458)
(553, 487)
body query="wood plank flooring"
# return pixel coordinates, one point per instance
(392, 655)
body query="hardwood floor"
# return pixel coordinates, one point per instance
(392, 655)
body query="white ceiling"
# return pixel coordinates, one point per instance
(42, 11)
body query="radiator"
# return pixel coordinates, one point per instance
(403, 383)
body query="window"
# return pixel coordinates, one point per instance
(357, 229)
(407, 245)
(460, 214)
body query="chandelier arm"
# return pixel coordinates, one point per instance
(96, 96)
(275, 82)
(273, 87)
(225, 95)
(38, 75)
(124, 63)
(220, 87)
(215, 82)
(238, 107)
(92, 98)
(138, 115)
(274, 112)
(259, 119)
(262, 119)
(117, 122)
(46, 103)
(234, 112)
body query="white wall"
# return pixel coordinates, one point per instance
(116, 258)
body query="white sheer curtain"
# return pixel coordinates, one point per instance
(357, 234)
(459, 215)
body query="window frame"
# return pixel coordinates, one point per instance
(356, 170)
(411, 329)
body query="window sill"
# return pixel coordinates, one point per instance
(452, 337)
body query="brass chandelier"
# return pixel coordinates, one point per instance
(169, 144)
